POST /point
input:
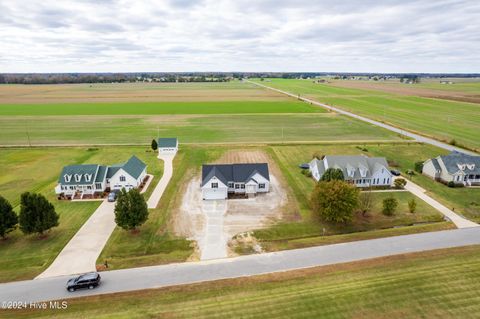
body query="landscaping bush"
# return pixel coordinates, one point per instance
(332, 174)
(412, 206)
(400, 183)
(389, 206)
(418, 167)
(451, 184)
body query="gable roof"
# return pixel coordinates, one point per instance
(355, 163)
(237, 173)
(455, 158)
(82, 170)
(134, 166)
(167, 142)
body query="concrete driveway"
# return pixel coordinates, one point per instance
(458, 220)
(154, 199)
(213, 245)
(81, 252)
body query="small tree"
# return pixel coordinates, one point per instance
(131, 209)
(365, 202)
(389, 206)
(37, 214)
(412, 205)
(154, 145)
(8, 218)
(335, 200)
(400, 183)
(332, 174)
(418, 167)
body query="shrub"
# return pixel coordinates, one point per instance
(412, 206)
(392, 163)
(8, 218)
(452, 142)
(154, 145)
(418, 167)
(389, 206)
(332, 174)
(451, 184)
(335, 200)
(317, 155)
(37, 214)
(400, 183)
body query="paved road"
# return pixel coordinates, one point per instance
(458, 220)
(192, 272)
(81, 252)
(416, 137)
(162, 184)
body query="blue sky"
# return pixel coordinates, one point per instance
(242, 35)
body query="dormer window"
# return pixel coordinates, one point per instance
(471, 166)
(88, 177)
(67, 178)
(78, 177)
(363, 171)
(462, 166)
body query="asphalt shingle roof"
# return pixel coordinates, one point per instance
(167, 142)
(237, 173)
(346, 163)
(78, 170)
(452, 160)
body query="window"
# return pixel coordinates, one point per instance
(384, 181)
(388, 180)
(237, 186)
(78, 177)
(261, 186)
(214, 185)
(67, 177)
(98, 185)
(230, 185)
(89, 187)
(122, 178)
(88, 177)
(242, 186)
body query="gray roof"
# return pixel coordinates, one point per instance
(355, 163)
(452, 160)
(436, 165)
(134, 166)
(167, 142)
(102, 171)
(237, 173)
(82, 170)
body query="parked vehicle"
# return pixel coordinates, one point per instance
(89, 280)
(395, 172)
(112, 196)
(304, 166)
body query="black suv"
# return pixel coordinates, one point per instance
(90, 281)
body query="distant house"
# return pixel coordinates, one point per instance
(455, 167)
(167, 145)
(89, 179)
(220, 180)
(362, 171)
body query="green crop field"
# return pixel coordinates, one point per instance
(444, 120)
(219, 128)
(156, 108)
(436, 284)
(37, 170)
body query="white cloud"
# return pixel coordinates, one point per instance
(242, 35)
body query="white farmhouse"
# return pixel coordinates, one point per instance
(455, 167)
(362, 171)
(167, 145)
(219, 180)
(89, 179)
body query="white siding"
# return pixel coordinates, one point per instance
(128, 184)
(208, 192)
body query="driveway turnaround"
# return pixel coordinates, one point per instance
(193, 272)
(81, 252)
(418, 138)
(162, 184)
(459, 221)
(213, 245)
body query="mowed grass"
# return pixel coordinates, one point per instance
(239, 128)
(444, 120)
(435, 284)
(37, 170)
(155, 108)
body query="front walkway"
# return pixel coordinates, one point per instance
(162, 184)
(81, 253)
(459, 221)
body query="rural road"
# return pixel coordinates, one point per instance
(417, 137)
(192, 272)
(81, 253)
(157, 193)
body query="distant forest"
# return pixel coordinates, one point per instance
(65, 78)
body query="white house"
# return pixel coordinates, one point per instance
(455, 167)
(220, 180)
(89, 179)
(167, 145)
(362, 171)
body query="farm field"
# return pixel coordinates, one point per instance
(218, 128)
(134, 92)
(447, 121)
(435, 284)
(37, 170)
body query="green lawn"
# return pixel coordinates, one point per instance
(436, 284)
(444, 120)
(36, 170)
(156, 108)
(239, 128)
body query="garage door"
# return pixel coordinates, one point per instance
(215, 193)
